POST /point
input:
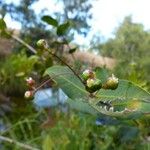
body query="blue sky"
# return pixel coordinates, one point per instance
(107, 15)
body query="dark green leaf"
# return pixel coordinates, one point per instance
(72, 50)
(62, 29)
(50, 20)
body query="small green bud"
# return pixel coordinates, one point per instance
(88, 74)
(111, 83)
(42, 44)
(93, 85)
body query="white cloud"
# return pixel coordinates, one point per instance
(107, 14)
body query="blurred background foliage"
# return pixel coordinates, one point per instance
(13, 72)
(72, 130)
(130, 46)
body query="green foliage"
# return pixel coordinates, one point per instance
(127, 106)
(24, 14)
(130, 47)
(50, 20)
(2, 24)
(73, 130)
(13, 72)
(66, 78)
(128, 100)
(62, 29)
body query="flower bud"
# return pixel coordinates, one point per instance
(88, 74)
(111, 83)
(30, 81)
(93, 85)
(42, 44)
(28, 94)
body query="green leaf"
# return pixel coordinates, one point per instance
(49, 20)
(2, 24)
(125, 90)
(102, 74)
(62, 29)
(128, 100)
(67, 81)
(72, 50)
(82, 106)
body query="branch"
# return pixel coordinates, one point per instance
(45, 82)
(34, 51)
(11, 141)
(22, 42)
(53, 54)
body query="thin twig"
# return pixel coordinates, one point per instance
(53, 54)
(45, 82)
(48, 80)
(22, 145)
(24, 43)
(34, 51)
